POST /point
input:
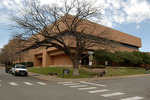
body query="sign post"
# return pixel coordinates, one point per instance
(90, 61)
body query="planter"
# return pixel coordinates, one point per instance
(94, 70)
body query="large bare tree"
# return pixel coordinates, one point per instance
(64, 26)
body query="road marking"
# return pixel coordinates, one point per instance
(133, 98)
(0, 80)
(0, 85)
(87, 88)
(72, 84)
(13, 83)
(27, 83)
(41, 83)
(96, 91)
(112, 94)
(78, 86)
(92, 83)
(64, 82)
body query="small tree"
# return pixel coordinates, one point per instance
(8, 53)
(144, 58)
(102, 55)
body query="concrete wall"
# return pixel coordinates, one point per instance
(48, 58)
(62, 60)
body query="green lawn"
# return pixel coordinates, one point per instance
(59, 70)
(117, 71)
(124, 71)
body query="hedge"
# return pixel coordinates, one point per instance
(27, 64)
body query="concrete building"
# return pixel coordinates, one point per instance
(54, 57)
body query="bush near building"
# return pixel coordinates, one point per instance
(118, 58)
(27, 64)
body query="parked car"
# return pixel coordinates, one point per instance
(19, 70)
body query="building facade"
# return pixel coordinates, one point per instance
(54, 57)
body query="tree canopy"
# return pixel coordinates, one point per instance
(135, 58)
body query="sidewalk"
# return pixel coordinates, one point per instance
(55, 79)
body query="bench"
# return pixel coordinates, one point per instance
(53, 74)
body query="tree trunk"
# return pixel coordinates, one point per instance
(75, 67)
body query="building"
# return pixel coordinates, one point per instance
(54, 57)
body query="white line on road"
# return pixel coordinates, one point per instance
(0, 80)
(112, 94)
(27, 83)
(92, 83)
(87, 88)
(72, 84)
(0, 85)
(96, 91)
(64, 82)
(78, 86)
(133, 98)
(13, 83)
(41, 83)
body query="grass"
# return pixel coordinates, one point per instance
(118, 71)
(111, 71)
(59, 70)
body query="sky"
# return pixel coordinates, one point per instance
(129, 16)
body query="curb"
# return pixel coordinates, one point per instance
(39, 78)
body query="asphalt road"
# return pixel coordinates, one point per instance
(29, 88)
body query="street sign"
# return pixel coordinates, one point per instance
(90, 58)
(106, 63)
(90, 63)
(65, 71)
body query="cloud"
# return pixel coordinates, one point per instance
(115, 11)
(137, 27)
(7, 7)
(126, 11)
(137, 11)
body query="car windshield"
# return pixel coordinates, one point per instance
(20, 66)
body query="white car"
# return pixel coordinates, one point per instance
(19, 70)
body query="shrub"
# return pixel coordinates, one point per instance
(27, 64)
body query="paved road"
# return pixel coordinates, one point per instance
(29, 88)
